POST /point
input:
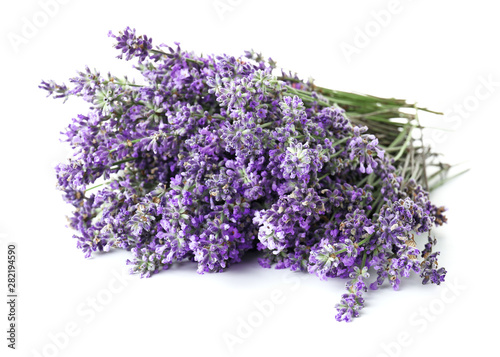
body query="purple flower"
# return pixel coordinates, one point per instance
(364, 147)
(349, 306)
(323, 261)
(431, 272)
(132, 45)
(55, 90)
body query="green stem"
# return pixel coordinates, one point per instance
(398, 138)
(355, 98)
(405, 145)
(169, 55)
(265, 125)
(364, 260)
(341, 141)
(322, 177)
(443, 169)
(363, 181)
(442, 182)
(375, 205)
(131, 141)
(360, 243)
(91, 188)
(117, 163)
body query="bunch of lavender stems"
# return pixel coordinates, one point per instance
(392, 121)
(215, 156)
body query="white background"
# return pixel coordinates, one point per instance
(438, 53)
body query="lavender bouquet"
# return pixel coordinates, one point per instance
(213, 156)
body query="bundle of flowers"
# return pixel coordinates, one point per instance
(209, 157)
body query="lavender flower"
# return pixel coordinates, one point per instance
(349, 306)
(363, 147)
(132, 45)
